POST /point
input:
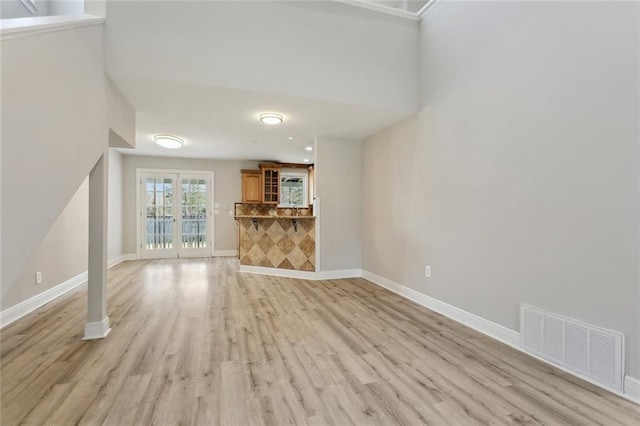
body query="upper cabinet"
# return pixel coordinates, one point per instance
(283, 184)
(251, 186)
(270, 183)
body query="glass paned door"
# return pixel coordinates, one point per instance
(158, 239)
(194, 226)
(175, 218)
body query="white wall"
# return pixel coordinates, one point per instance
(392, 217)
(227, 191)
(66, 7)
(121, 118)
(518, 180)
(316, 50)
(338, 181)
(10, 9)
(14, 9)
(53, 131)
(60, 256)
(114, 247)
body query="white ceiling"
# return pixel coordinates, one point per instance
(222, 123)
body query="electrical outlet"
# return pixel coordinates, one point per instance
(38, 277)
(427, 271)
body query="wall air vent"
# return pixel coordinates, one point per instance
(590, 351)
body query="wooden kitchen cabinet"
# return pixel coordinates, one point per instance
(252, 186)
(270, 183)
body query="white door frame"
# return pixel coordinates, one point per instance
(210, 229)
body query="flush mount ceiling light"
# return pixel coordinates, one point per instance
(271, 118)
(309, 148)
(306, 160)
(168, 141)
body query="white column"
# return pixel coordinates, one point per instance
(97, 325)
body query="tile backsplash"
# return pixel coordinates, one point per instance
(277, 244)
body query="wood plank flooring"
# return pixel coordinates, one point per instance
(196, 342)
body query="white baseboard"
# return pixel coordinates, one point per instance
(16, 312)
(289, 273)
(116, 260)
(624, 394)
(23, 308)
(97, 330)
(339, 274)
(491, 329)
(225, 253)
(303, 275)
(122, 258)
(632, 388)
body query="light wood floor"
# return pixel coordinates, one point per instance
(195, 342)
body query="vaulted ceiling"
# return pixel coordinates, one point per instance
(205, 70)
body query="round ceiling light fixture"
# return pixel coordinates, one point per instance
(169, 141)
(271, 118)
(309, 148)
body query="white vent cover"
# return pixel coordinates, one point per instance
(588, 350)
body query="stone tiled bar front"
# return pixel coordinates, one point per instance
(267, 236)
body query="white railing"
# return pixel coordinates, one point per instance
(160, 232)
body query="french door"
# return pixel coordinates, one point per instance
(175, 218)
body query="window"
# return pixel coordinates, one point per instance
(293, 189)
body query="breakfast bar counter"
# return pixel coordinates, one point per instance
(274, 237)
